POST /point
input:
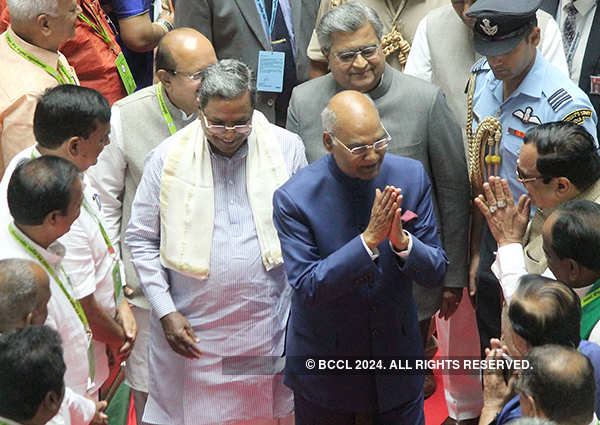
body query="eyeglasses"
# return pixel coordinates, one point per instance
(379, 145)
(194, 76)
(522, 178)
(367, 52)
(222, 129)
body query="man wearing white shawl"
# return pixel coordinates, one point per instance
(207, 254)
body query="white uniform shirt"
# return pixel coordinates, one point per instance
(419, 59)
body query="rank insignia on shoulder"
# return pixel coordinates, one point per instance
(527, 116)
(559, 98)
(578, 116)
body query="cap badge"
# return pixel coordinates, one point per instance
(487, 28)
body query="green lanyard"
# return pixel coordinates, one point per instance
(116, 274)
(163, 108)
(97, 27)
(592, 295)
(74, 303)
(62, 75)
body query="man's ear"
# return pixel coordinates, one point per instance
(528, 406)
(574, 269)
(164, 77)
(43, 24)
(52, 401)
(535, 36)
(327, 141)
(73, 146)
(52, 217)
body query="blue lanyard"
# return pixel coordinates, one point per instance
(260, 4)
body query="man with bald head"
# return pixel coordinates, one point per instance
(356, 228)
(139, 123)
(24, 294)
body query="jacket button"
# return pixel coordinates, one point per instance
(270, 102)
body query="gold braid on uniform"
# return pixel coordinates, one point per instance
(483, 145)
(394, 41)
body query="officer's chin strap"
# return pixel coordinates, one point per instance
(483, 145)
(394, 41)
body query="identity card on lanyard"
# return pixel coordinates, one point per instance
(270, 64)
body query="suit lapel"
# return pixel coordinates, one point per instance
(250, 13)
(591, 57)
(296, 16)
(550, 6)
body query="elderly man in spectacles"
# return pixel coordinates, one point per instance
(207, 254)
(417, 117)
(558, 162)
(356, 229)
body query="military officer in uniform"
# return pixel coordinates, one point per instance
(512, 89)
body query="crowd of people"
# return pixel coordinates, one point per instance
(203, 201)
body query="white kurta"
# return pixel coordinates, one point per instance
(87, 260)
(241, 310)
(63, 318)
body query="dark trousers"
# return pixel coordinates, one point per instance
(489, 294)
(308, 413)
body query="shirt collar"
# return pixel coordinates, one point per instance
(53, 255)
(48, 57)
(582, 292)
(582, 6)
(174, 109)
(531, 85)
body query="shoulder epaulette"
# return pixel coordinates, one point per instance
(559, 98)
(478, 66)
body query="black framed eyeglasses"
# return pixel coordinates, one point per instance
(523, 178)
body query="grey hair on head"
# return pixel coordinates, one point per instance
(227, 79)
(347, 17)
(28, 10)
(18, 289)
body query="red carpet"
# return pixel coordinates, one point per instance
(435, 406)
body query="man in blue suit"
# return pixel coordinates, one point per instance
(356, 230)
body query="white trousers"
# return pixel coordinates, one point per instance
(458, 337)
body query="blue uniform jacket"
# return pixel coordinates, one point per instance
(344, 303)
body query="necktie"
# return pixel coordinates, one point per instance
(280, 32)
(569, 32)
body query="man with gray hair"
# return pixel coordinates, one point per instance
(556, 371)
(417, 117)
(207, 255)
(30, 48)
(24, 294)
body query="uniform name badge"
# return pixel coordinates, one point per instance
(595, 84)
(125, 73)
(270, 71)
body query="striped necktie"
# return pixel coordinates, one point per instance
(569, 32)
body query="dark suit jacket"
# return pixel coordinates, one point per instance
(235, 29)
(591, 58)
(344, 303)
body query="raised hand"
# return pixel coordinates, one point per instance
(506, 221)
(382, 216)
